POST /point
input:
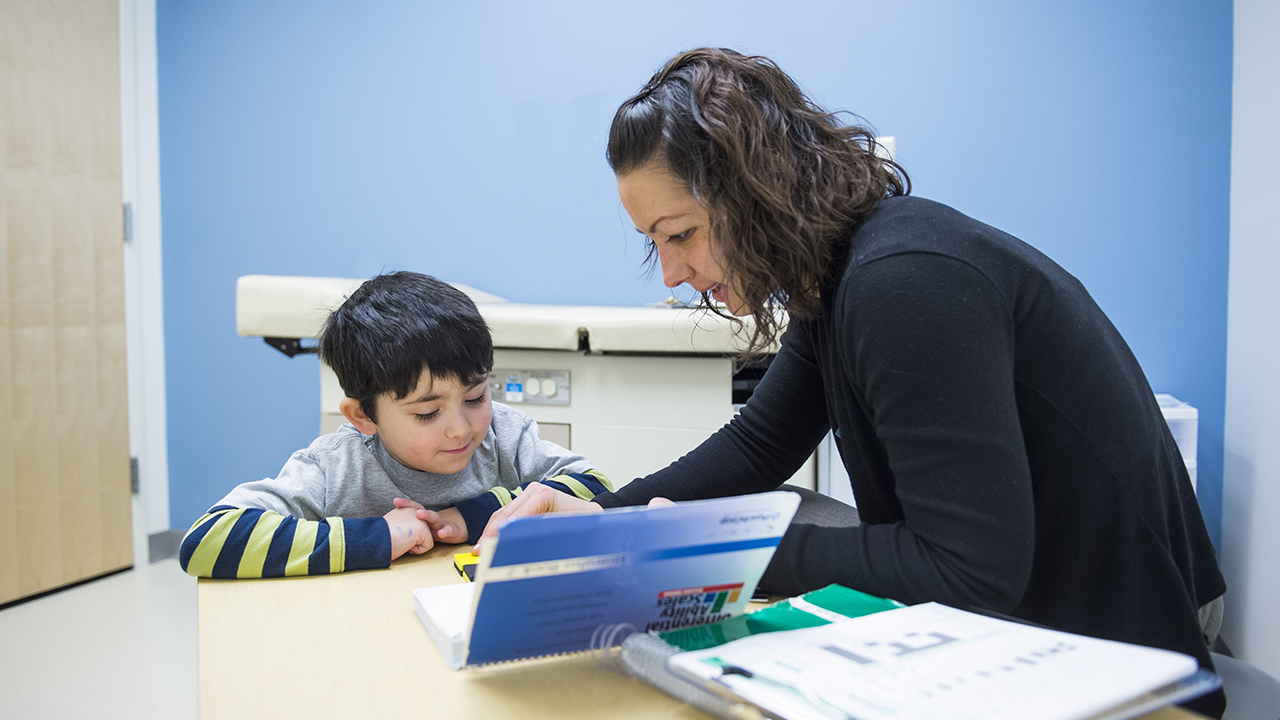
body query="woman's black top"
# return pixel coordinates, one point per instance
(1005, 449)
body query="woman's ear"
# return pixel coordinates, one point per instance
(354, 414)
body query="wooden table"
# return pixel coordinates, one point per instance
(349, 645)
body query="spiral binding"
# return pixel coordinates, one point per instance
(644, 657)
(603, 641)
(605, 638)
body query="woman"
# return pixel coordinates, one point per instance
(1005, 450)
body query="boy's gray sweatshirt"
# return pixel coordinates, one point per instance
(349, 474)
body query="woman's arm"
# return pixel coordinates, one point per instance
(758, 450)
(762, 446)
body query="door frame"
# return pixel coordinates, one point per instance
(153, 539)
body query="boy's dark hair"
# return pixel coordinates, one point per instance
(394, 327)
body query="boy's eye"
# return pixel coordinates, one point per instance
(479, 398)
(427, 417)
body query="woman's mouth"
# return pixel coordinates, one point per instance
(718, 293)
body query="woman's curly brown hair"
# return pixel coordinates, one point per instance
(784, 183)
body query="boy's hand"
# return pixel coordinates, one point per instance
(447, 525)
(408, 533)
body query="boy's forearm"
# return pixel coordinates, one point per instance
(233, 542)
(584, 485)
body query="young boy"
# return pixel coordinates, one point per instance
(427, 455)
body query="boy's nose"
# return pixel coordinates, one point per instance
(455, 426)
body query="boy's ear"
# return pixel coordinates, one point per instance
(354, 414)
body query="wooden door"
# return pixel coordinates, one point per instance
(64, 451)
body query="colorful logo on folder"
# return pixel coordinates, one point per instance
(693, 605)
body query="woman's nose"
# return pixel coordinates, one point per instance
(674, 270)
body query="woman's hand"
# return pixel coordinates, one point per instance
(536, 499)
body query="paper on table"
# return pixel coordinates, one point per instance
(932, 661)
(445, 610)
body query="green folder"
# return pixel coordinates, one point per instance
(784, 615)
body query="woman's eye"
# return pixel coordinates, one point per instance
(681, 236)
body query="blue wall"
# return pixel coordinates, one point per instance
(466, 140)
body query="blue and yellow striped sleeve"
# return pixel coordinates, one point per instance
(231, 542)
(476, 511)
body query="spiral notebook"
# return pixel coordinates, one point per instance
(929, 660)
(552, 582)
(644, 656)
